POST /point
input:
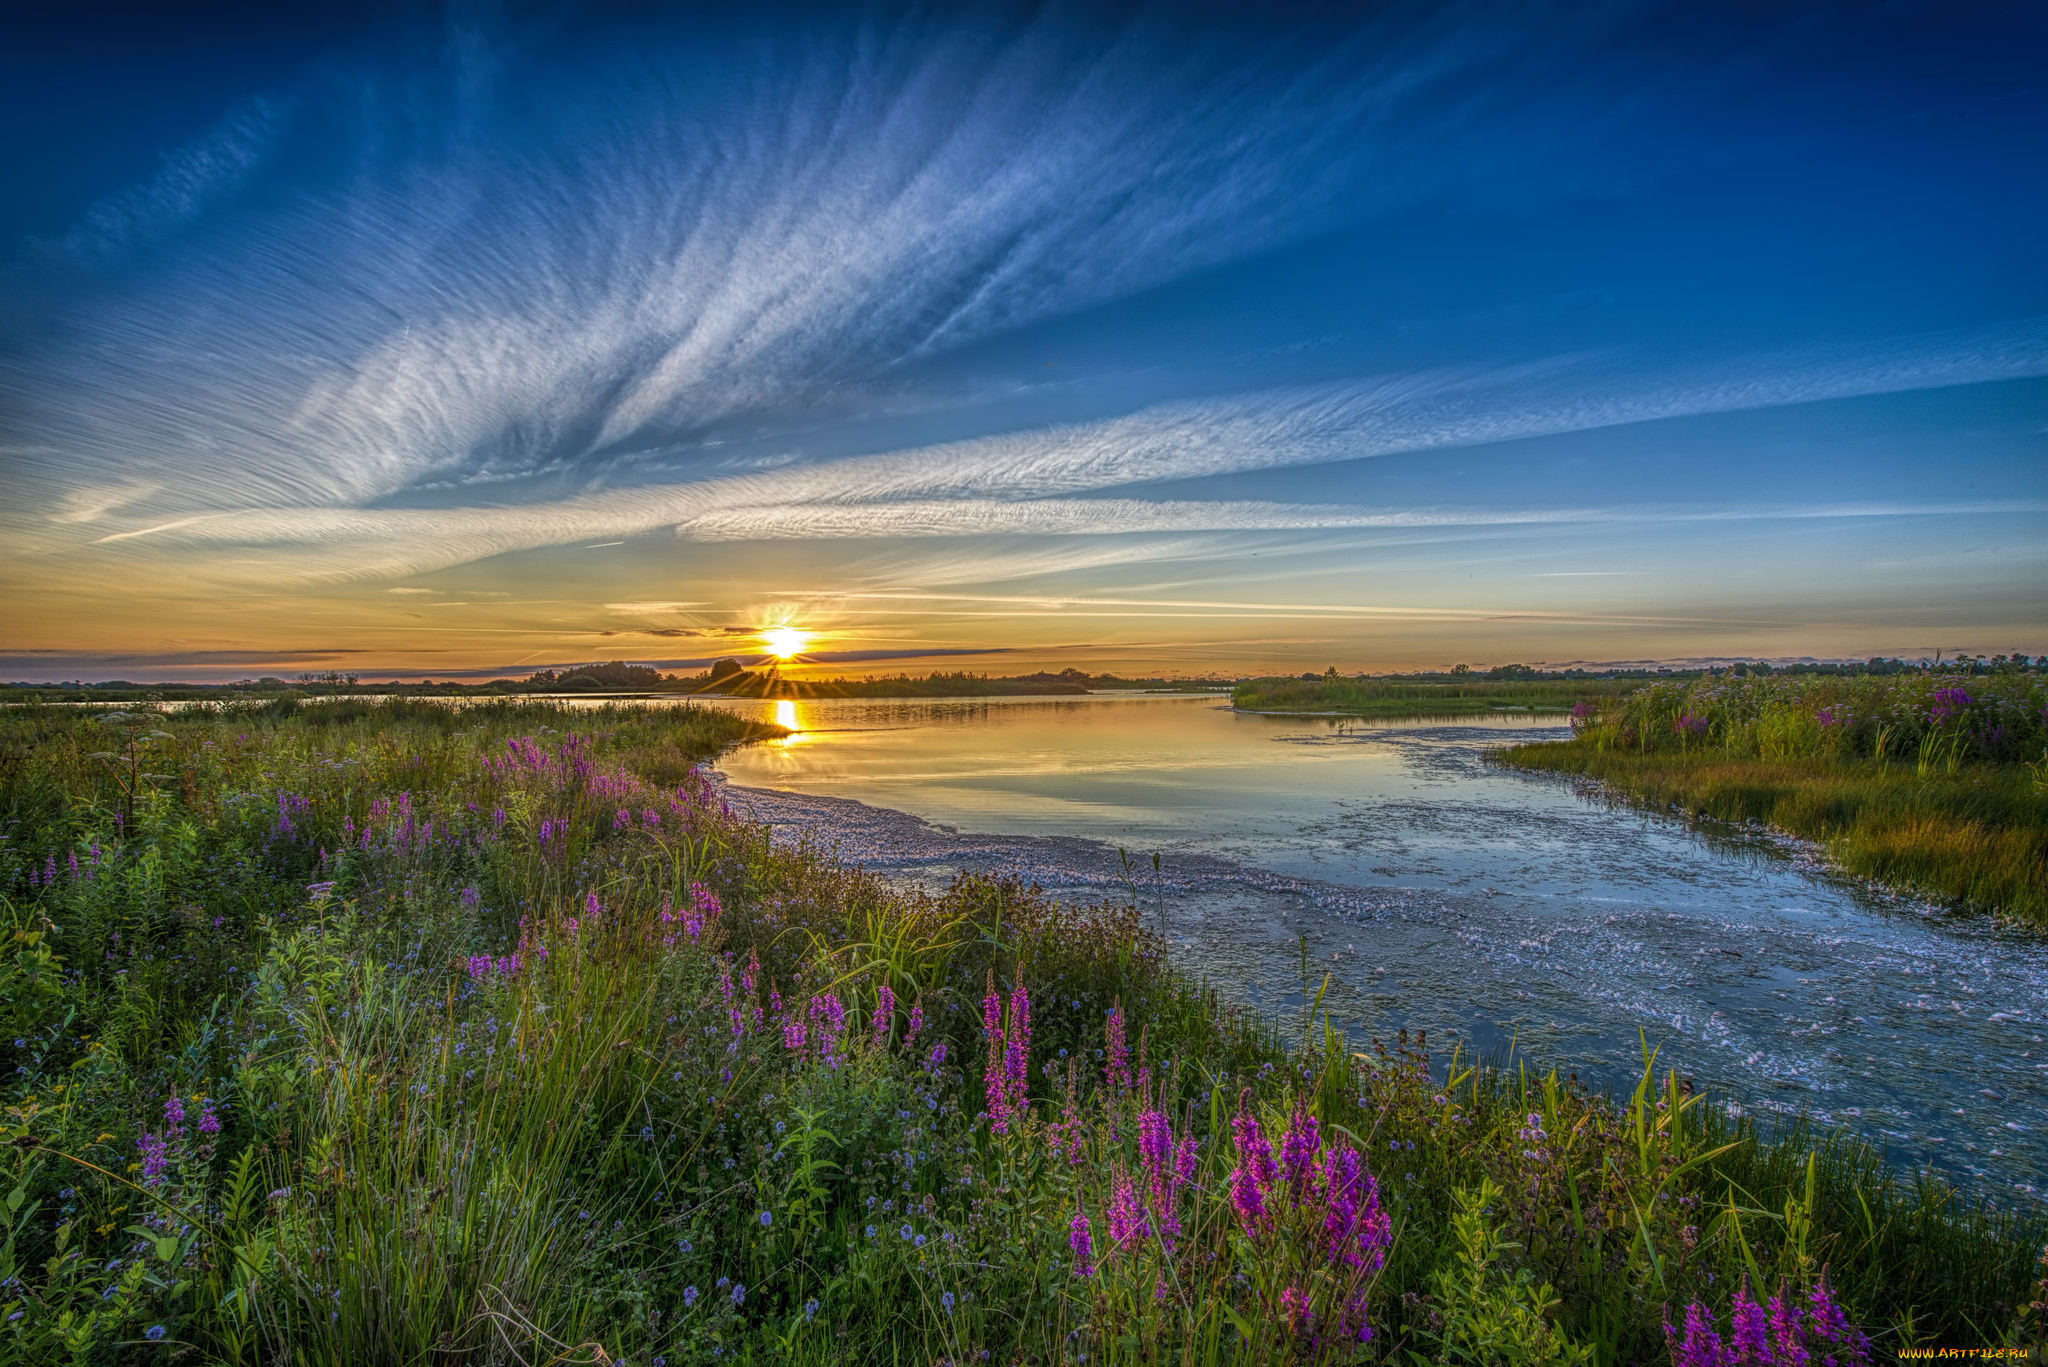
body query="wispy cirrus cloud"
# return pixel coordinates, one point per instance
(1024, 484)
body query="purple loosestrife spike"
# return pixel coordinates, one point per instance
(154, 1159)
(1116, 1069)
(1185, 1156)
(174, 1112)
(1298, 1147)
(1826, 1321)
(884, 1019)
(209, 1123)
(1249, 1179)
(1294, 1309)
(1017, 1052)
(1126, 1215)
(1787, 1340)
(995, 1086)
(910, 1031)
(1749, 1331)
(1155, 1149)
(1702, 1346)
(1079, 1242)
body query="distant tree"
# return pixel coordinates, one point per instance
(726, 668)
(1461, 669)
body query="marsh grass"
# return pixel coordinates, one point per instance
(1397, 698)
(518, 1055)
(1934, 784)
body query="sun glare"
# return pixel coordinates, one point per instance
(783, 642)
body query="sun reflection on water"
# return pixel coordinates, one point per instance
(786, 717)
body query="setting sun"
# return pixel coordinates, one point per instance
(783, 642)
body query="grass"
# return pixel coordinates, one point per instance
(1397, 698)
(1922, 783)
(395, 1033)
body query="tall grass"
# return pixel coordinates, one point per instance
(1399, 698)
(388, 1035)
(1937, 784)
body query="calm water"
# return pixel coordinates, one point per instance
(1441, 893)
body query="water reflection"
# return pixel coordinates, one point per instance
(786, 718)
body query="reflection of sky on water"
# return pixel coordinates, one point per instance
(1441, 893)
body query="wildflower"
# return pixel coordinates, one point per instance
(946, 1302)
(739, 1293)
(767, 1219)
(209, 1123)
(884, 1018)
(153, 1333)
(811, 1309)
(155, 1155)
(1126, 1216)
(1785, 1335)
(1294, 1308)
(1079, 1242)
(1116, 1071)
(174, 1112)
(689, 1296)
(1298, 1147)
(1255, 1170)
(1749, 1330)
(906, 1232)
(1701, 1346)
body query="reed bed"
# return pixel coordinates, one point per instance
(1936, 784)
(379, 1033)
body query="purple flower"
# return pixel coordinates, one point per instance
(174, 1112)
(1126, 1217)
(1749, 1330)
(1298, 1147)
(209, 1123)
(1786, 1337)
(1948, 702)
(1294, 1308)
(1116, 1071)
(155, 1157)
(1080, 1243)
(689, 1296)
(1255, 1170)
(884, 1018)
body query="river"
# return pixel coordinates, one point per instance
(1442, 893)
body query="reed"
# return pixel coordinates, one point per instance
(405, 1034)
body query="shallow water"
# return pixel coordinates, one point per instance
(1441, 893)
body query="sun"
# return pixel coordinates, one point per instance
(783, 642)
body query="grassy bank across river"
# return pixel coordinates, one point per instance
(367, 1032)
(1375, 697)
(1926, 782)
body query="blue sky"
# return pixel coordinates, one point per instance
(446, 341)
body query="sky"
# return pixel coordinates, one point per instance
(455, 341)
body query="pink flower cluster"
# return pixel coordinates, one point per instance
(1782, 1334)
(1326, 1190)
(1007, 1076)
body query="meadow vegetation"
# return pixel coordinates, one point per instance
(364, 1033)
(1442, 697)
(1932, 782)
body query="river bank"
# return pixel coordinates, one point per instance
(1935, 785)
